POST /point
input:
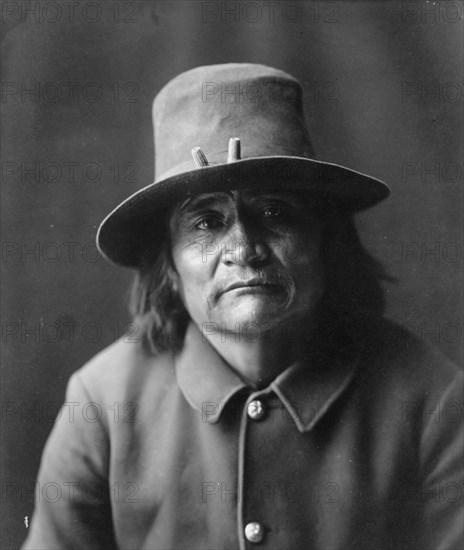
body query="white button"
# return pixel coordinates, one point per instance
(254, 532)
(256, 410)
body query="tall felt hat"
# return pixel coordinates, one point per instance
(223, 127)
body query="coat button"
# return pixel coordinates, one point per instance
(256, 410)
(254, 532)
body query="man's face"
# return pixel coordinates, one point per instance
(247, 257)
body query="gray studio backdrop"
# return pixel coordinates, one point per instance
(383, 95)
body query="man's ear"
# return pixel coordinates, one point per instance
(174, 280)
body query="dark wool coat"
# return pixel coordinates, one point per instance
(360, 450)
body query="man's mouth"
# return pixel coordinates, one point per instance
(253, 285)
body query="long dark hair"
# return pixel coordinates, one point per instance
(353, 286)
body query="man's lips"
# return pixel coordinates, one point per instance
(257, 284)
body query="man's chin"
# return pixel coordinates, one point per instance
(250, 311)
(262, 300)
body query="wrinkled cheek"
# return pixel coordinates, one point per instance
(294, 251)
(192, 288)
(309, 275)
(311, 282)
(194, 293)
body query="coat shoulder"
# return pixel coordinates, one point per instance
(393, 355)
(125, 369)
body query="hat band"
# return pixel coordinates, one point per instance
(219, 158)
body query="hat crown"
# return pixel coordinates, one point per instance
(206, 106)
(224, 127)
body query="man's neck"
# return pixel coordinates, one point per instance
(260, 358)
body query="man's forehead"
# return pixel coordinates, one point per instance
(222, 197)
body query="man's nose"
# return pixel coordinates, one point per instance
(244, 246)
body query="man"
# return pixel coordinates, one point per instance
(264, 402)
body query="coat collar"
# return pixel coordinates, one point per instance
(307, 388)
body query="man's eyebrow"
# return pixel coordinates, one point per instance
(277, 193)
(203, 201)
(212, 199)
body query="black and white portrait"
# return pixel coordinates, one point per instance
(232, 271)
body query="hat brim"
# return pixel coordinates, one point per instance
(131, 229)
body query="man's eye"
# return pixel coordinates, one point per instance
(273, 212)
(208, 223)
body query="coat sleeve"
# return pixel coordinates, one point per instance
(73, 498)
(442, 465)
